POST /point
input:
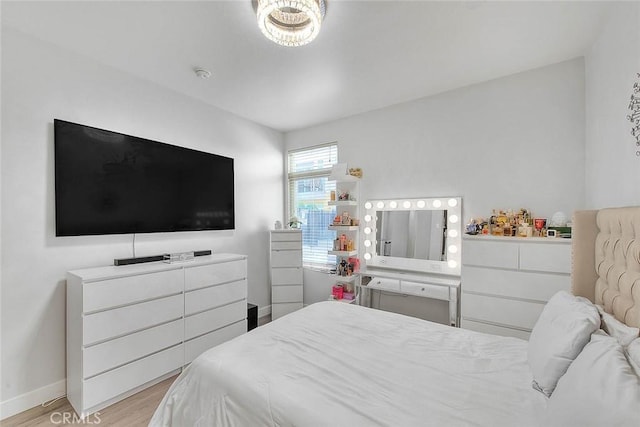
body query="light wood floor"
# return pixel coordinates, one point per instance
(133, 411)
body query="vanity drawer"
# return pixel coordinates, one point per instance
(286, 293)
(197, 346)
(214, 296)
(286, 258)
(490, 254)
(384, 284)
(507, 312)
(424, 290)
(210, 320)
(515, 284)
(109, 293)
(212, 274)
(120, 321)
(286, 276)
(117, 352)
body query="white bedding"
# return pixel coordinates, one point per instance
(334, 364)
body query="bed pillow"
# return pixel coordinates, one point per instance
(561, 332)
(615, 328)
(599, 389)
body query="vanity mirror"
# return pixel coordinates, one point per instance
(413, 234)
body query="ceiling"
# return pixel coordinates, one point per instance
(369, 54)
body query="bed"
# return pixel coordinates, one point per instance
(334, 364)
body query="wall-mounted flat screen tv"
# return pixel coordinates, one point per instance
(111, 183)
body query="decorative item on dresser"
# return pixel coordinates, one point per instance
(129, 327)
(286, 271)
(507, 281)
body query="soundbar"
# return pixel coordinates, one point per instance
(153, 258)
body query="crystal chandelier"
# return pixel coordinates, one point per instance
(290, 22)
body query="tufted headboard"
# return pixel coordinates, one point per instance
(606, 260)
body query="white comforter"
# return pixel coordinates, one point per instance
(333, 364)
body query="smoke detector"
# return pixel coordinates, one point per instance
(202, 73)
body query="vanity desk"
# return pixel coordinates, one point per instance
(412, 247)
(412, 283)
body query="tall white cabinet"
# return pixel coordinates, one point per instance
(129, 327)
(506, 281)
(286, 271)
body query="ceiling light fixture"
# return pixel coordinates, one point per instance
(290, 22)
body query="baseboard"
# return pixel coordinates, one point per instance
(264, 311)
(25, 401)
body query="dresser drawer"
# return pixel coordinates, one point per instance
(424, 290)
(105, 386)
(502, 311)
(108, 355)
(281, 309)
(285, 293)
(384, 284)
(210, 320)
(197, 346)
(286, 276)
(126, 290)
(490, 254)
(286, 258)
(493, 329)
(286, 245)
(120, 321)
(214, 296)
(286, 236)
(551, 257)
(212, 274)
(516, 284)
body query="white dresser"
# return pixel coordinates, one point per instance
(506, 281)
(286, 272)
(129, 327)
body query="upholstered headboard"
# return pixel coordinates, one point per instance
(606, 260)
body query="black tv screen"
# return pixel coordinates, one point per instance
(111, 183)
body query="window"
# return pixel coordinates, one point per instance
(309, 192)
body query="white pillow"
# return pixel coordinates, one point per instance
(615, 328)
(599, 389)
(561, 332)
(633, 355)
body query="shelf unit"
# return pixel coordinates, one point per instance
(351, 185)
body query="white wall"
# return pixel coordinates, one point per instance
(513, 142)
(41, 82)
(613, 168)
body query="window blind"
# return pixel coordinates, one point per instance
(309, 192)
